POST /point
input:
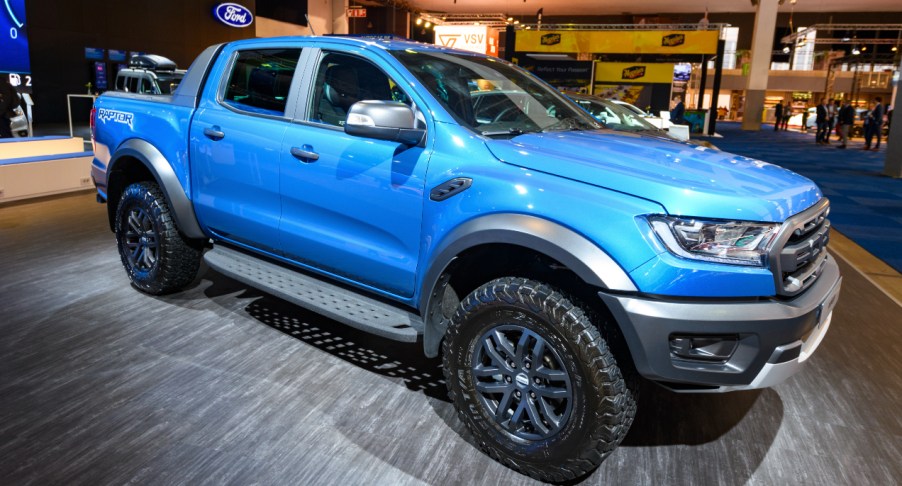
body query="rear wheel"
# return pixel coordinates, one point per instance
(534, 381)
(157, 258)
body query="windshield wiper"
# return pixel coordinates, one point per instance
(567, 124)
(511, 132)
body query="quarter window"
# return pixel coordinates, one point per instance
(260, 80)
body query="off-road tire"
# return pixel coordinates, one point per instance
(601, 408)
(157, 258)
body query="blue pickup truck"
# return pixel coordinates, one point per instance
(430, 195)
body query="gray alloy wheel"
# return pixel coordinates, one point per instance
(522, 381)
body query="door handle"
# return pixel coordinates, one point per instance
(214, 133)
(305, 154)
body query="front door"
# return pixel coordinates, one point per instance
(352, 206)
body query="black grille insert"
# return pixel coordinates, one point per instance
(800, 252)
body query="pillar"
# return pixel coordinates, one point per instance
(892, 166)
(715, 90)
(762, 47)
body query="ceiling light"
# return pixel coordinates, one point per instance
(427, 24)
(510, 19)
(864, 48)
(419, 21)
(785, 49)
(855, 51)
(894, 49)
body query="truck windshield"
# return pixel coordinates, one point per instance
(492, 97)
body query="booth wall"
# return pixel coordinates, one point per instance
(60, 31)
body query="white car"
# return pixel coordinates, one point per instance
(654, 120)
(796, 120)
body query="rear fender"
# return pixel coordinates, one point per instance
(181, 206)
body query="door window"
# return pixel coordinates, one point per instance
(260, 80)
(343, 80)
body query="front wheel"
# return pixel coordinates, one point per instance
(534, 381)
(157, 258)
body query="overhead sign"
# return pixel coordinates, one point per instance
(357, 12)
(467, 37)
(233, 15)
(618, 41)
(632, 72)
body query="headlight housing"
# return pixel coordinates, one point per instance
(731, 242)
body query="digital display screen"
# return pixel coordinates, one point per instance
(14, 45)
(95, 53)
(117, 55)
(682, 72)
(100, 75)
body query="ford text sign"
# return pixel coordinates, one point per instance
(233, 15)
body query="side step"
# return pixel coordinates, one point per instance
(345, 306)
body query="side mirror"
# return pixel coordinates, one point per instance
(385, 120)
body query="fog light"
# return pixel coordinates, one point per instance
(704, 348)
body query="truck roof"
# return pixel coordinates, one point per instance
(350, 40)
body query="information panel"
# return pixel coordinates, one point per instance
(14, 45)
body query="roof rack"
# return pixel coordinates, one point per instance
(152, 62)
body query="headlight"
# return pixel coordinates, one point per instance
(733, 242)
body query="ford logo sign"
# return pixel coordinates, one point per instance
(233, 15)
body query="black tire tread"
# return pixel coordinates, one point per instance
(618, 407)
(179, 257)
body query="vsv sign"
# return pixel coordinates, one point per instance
(233, 15)
(468, 37)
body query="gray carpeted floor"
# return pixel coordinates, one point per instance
(220, 384)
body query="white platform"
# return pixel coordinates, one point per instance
(43, 166)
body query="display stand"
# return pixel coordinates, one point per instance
(29, 102)
(69, 105)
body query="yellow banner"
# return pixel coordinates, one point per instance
(618, 41)
(633, 72)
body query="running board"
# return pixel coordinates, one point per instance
(345, 306)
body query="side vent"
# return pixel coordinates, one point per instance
(447, 189)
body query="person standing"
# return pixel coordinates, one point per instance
(877, 128)
(787, 113)
(821, 121)
(868, 126)
(805, 118)
(778, 115)
(9, 101)
(832, 113)
(844, 120)
(678, 113)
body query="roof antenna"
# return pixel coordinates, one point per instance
(309, 25)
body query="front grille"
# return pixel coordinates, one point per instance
(800, 252)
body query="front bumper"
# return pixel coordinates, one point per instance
(773, 337)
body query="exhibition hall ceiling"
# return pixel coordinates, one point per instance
(639, 7)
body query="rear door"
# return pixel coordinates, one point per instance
(236, 138)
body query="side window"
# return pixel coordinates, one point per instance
(260, 80)
(146, 88)
(343, 80)
(132, 85)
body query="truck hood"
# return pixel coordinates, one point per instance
(687, 180)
